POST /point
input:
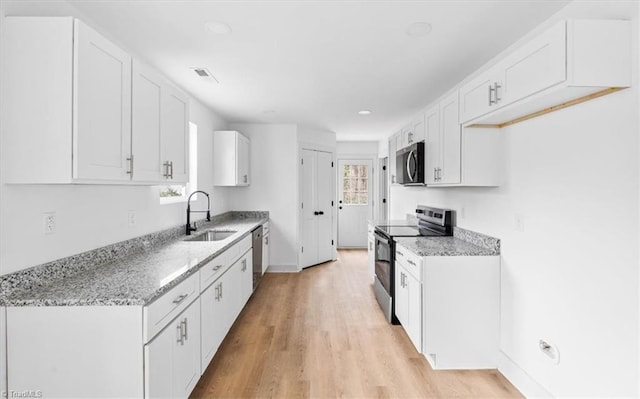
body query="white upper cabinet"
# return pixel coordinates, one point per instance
(394, 146)
(175, 135)
(414, 132)
(93, 117)
(571, 62)
(102, 107)
(146, 124)
(69, 117)
(160, 137)
(230, 159)
(443, 142)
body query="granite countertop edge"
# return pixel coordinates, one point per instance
(444, 246)
(22, 298)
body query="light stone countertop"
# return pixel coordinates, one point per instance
(137, 279)
(443, 246)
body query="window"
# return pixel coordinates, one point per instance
(355, 183)
(178, 192)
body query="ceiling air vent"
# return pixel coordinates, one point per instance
(204, 73)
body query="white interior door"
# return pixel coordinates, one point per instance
(316, 208)
(354, 202)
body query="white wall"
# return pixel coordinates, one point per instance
(571, 277)
(274, 188)
(89, 216)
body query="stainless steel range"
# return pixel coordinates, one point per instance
(432, 222)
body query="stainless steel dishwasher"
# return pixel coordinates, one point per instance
(257, 255)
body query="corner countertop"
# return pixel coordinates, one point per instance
(138, 279)
(444, 246)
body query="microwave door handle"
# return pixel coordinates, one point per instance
(409, 174)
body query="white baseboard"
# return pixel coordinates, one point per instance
(520, 379)
(282, 269)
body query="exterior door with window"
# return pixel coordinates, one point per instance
(354, 202)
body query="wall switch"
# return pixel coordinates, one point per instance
(131, 218)
(49, 222)
(519, 222)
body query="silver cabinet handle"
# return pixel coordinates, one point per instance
(244, 265)
(492, 90)
(130, 170)
(184, 330)
(166, 174)
(246, 178)
(220, 290)
(179, 328)
(496, 87)
(180, 298)
(266, 240)
(217, 267)
(171, 167)
(410, 262)
(410, 137)
(399, 253)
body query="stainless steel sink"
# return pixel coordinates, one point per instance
(212, 235)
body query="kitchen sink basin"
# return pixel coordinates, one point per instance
(212, 235)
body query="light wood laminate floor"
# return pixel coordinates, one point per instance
(320, 333)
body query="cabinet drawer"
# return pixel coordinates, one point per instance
(410, 261)
(160, 312)
(212, 270)
(239, 249)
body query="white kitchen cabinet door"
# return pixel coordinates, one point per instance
(483, 94)
(243, 161)
(450, 144)
(245, 287)
(213, 317)
(401, 296)
(413, 288)
(265, 253)
(393, 148)
(231, 153)
(172, 358)
(146, 124)
(432, 143)
(175, 135)
(535, 66)
(102, 107)
(415, 132)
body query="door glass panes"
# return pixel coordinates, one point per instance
(355, 186)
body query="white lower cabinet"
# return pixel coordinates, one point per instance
(371, 250)
(265, 252)
(215, 319)
(159, 350)
(449, 307)
(172, 358)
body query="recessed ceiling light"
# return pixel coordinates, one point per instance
(419, 29)
(364, 112)
(218, 28)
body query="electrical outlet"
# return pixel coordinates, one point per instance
(49, 223)
(550, 350)
(519, 222)
(131, 218)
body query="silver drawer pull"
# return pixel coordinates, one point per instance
(399, 253)
(217, 267)
(410, 261)
(180, 298)
(179, 328)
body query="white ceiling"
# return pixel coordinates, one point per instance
(319, 62)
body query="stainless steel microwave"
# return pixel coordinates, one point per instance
(410, 163)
